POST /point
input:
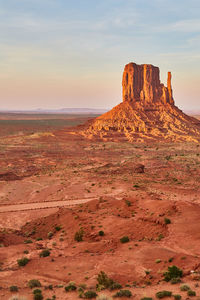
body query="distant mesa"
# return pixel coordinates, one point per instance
(147, 112)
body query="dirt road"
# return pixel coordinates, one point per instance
(43, 205)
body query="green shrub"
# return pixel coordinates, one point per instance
(128, 203)
(168, 157)
(34, 283)
(101, 233)
(38, 297)
(115, 286)
(50, 287)
(177, 297)
(160, 237)
(191, 293)
(70, 287)
(28, 242)
(124, 239)
(23, 261)
(173, 272)
(167, 221)
(58, 228)
(37, 291)
(184, 288)
(50, 234)
(79, 235)
(45, 253)
(104, 280)
(90, 294)
(83, 286)
(13, 288)
(163, 294)
(175, 280)
(123, 293)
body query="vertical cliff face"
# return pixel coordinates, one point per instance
(169, 87)
(141, 83)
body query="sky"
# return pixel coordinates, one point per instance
(63, 53)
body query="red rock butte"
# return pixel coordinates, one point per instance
(147, 112)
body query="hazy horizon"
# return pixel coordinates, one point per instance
(57, 54)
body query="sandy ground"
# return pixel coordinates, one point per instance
(96, 183)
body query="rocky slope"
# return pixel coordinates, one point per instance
(146, 113)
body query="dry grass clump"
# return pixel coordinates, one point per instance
(103, 297)
(17, 297)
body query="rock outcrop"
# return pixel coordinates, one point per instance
(141, 83)
(147, 112)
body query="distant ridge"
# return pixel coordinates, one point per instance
(59, 111)
(192, 112)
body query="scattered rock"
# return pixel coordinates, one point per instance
(9, 176)
(139, 168)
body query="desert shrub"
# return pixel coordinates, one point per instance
(37, 291)
(101, 233)
(83, 286)
(184, 288)
(103, 297)
(17, 297)
(175, 280)
(45, 253)
(123, 293)
(38, 297)
(23, 261)
(79, 235)
(124, 239)
(128, 203)
(71, 286)
(39, 239)
(163, 294)
(157, 261)
(160, 237)
(49, 287)
(58, 228)
(177, 297)
(53, 298)
(115, 286)
(13, 288)
(90, 294)
(173, 272)
(191, 293)
(146, 298)
(28, 242)
(34, 283)
(50, 234)
(167, 221)
(104, 280)
(168, 157)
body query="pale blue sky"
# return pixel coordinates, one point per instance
(60, 53)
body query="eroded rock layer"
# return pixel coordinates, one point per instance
(147, 111)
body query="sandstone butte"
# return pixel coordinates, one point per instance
(147, 112)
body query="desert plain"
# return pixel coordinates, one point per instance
(130, 210)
